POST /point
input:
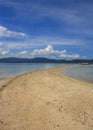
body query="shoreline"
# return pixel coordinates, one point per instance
(46, 99)
(77, 77)
(6, 81)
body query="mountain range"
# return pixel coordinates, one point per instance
(43, 60)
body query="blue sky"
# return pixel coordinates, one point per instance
(60, 29)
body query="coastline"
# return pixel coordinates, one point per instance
(46, 99)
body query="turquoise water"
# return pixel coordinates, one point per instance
(13, 69)
(84, 73)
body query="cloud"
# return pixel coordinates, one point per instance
(5, 32)
(38, 42)
(71, 12)
(73, 56)
(82, 32)
(49, 52)
(55, 41)
(23, 52)
(73, 15)
(4, 52)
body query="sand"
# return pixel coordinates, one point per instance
(46, 100)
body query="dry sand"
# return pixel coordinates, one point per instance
(46, 100)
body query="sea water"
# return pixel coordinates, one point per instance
(8, 70)
(81, 72)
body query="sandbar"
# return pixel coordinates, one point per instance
(46, 100)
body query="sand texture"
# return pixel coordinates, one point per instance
(46, 100)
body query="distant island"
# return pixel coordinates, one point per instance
(43, 60)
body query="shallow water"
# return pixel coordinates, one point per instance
(84, 72)
(13, 69)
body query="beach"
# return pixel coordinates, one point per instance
(46, 100)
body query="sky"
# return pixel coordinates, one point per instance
(59, 29)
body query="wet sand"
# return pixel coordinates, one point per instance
(46, 100)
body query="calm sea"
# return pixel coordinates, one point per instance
(84, 72)
(13, 69)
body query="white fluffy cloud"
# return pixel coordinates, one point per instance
(48, 52)
(51, 53)
(5, 32)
